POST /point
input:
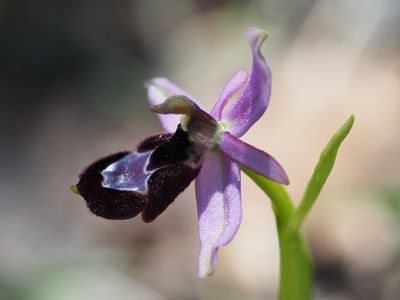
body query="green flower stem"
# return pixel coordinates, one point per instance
(295, 264)
(296, 276)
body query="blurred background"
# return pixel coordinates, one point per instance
(71, 90)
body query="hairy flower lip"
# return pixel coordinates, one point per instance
(112, 192)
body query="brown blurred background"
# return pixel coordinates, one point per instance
(71, 90)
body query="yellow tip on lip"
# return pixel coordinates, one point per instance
(75, 190)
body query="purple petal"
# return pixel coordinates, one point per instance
(253, 101)
(218, 205)
(233, 85)
(158, 90)
(258, 161)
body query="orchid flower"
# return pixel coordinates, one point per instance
(197, 145)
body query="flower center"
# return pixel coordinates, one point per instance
(222, 126)
(203, 130)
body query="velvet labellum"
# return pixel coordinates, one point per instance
(147, 181)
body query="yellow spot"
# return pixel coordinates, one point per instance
(75, 190)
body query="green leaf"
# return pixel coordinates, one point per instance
(321, 173)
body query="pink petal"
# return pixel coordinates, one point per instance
(158, 90)
(253, 101)
(233, 85)
(258, 161)
(218, 205)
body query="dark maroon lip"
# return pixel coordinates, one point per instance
(171, 175)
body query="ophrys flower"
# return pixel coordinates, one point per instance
(198, 145)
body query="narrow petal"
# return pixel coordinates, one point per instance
(258, 161)
(218, 205)
(233, 85)
(158, 90)
(253, 101)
